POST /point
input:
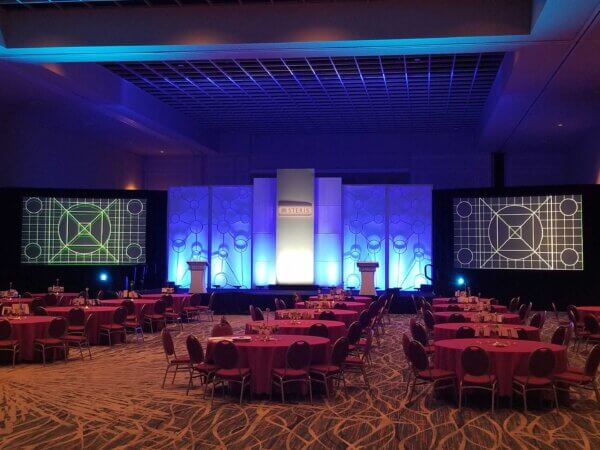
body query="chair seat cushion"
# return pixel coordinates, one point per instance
(111, 326)
(353, 361)
(232, 374)
(325, 368)
(75, 328)
(205, 367)
(290, 373)
(131, 317)
(203, 308)
(8, 342)
(180, 361)
(131, 324)
(479, 379)
(430, 349)
(572, 377)
(435, 374)
(191, 308)
(575, 369)
(595, 337)
(49, 341)
(532, 381)
(155, 316)
(75, 338)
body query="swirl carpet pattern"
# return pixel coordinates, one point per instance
(116, 401)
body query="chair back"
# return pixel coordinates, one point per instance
(226, 355)
(536, 320)
(418, 356)
(100, 295)
(318, 329)
(592, 362)
(64, 301)
(298, 355)
(195, 300)
(475, 361)
(354, 333)
(555, 311)
(223, 328)
(167, 343)
(569, 334)
(452, 300)
(89, 323)
(523, 311)
(144, 311)
(339, 305)
(279, 304)
(27, 295)
(251, 311)
(541, 363)
(522, 334)
(37, 302)
(559, 335)
(5, 330)
(327, 315)
(76, 316)
(368, 343)
(373, 310)
(40, 311)
(258, 314)
(129, 306)
(420, 334)
(50, 299)
(159, 307)
(57, 328)
(590, 323)
(406, 346)
(120, 315)
(426, 306)
(168, 301)
(494, 301)
(453, 308)
(513, 305)
(194, 349)
(339, 351)
(428, 319)
(575, 311)
(211, 300)
(364, 319)
(456, 318)
(465, 333)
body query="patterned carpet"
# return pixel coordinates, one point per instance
(115, 400)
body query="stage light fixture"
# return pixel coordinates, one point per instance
(460, 281)
(103, 276)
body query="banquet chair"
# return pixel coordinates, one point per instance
(456, 318)
(6, 343)
(40, 311)
(406, 340)
(27, 295)
(53, 339)
(522, 334)
(116, 326)
(226, 358)
(476, 368)
(386, 308)
(592, 327)
(539, 376)
(170, 315)
(100, 295)
(334, 370)
(191, 307)
(198, 367)
(494, 302)
(358, 363)
(452, 308)
(584, 378)
(279, 304)
(414, 304)
(354, 336)
(465, 332)
(562, 335)
(318, 329)
(223, 328)
(536, 320)
(130, 307)
(373, 310)
(419, 334)
(557, 315)
(251, 311)
(425, 374)
(37, 302)
(64, 301)
(76, 320)
(523, 313)
(296, 370)
(208, 309)
(452, 300)
(168, 300)
(513, 305)
(258, 314)
(364, 319)
(81, 339)
(155, 317)
(580, 335)
(327, 315)
(50, 300)
(425, 305)
(340, 306)
(132, 324)
(174, 364)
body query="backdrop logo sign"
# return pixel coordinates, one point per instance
(286, 208)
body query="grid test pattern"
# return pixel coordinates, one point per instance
(72, 231)
(536, 233)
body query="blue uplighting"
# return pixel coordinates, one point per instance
(460, 281)
(103, 276)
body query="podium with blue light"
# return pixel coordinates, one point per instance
(197, 276)
(367, 277)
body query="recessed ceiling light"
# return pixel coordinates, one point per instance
(559, 124)
(162, 152)
(417, 59)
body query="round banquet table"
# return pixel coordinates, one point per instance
(70, 295)
(104, 315)
(15, 301)
(439, 300)
(448, 330)
(356, 298)
(301, 327)
(441, 307)
(342, 315)
(353, 306)
(137, 302)
(442, 317)
(505, 361)
(585, 310)
(177, 299)
(262, 357)
(26, 330)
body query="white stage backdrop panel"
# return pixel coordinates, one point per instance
(328, 232)
(263, 231)
(409, 244)
(295, 226)
(187, 239)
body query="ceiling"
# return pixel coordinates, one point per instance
(370, 94)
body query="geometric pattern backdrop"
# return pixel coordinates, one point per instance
(69, 231)
(535, 232)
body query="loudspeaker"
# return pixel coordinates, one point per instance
(498, 169)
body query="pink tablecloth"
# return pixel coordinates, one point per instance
(585, 310)
(341, 315)
(262, 357)
(104, 314)
(26, 330)
(442, 317)
(448, 330)
(15, 301)
(356, 298)
(336, 329)
(58, 294)
(438, 300)
(353, 306)
(138, 302)
(441, 307)
(506, 361)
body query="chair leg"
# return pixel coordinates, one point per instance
(493, 398)
(190, 383)
(81, 351)
(44, 354)
(326, 387)
(460, 393)
(555, 397)
(242, 390)
(282, 391)
(165, 377)
(175, 373)
(310, 388)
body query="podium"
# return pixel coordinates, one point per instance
(367, 277)
(197, 276)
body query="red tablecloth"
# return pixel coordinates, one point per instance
(506, 361)
(26, 330)
(15, 301)
(585, 310)
(448, 330)
(437, 300)
(341, 315)
(177, 299)
(58, 294)
(441, 307)
(336, 329)
(357, 298)
(262, 357)
(442, 317)
(138, 303)
(104, 314)
(353, 306)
